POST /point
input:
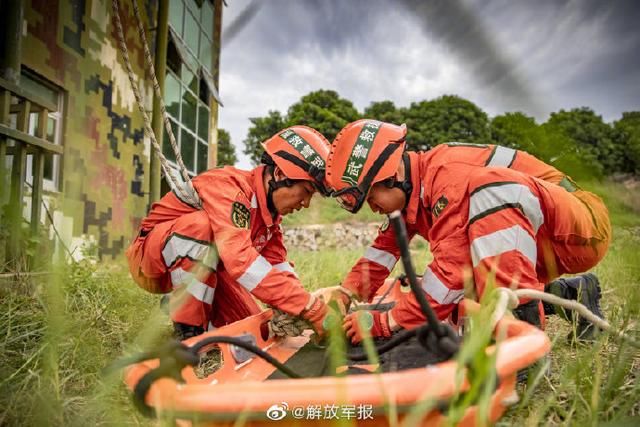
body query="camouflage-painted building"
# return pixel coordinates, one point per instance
(102, 184)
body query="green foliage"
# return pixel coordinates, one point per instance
(627, 140)
(515, 130)
(519, 131)
(58, 332)
(385, 111)
(262, 129)
(324, 111)
(226, 150)
(445, 119)
(577, 141)
(593, 137)
(34, 251)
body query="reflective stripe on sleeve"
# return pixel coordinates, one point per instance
(499, 242)
(496, 197)
(178, 246)
(285, 266)
(438, 290)
(502, 156)
(256, 272)
(384, 258)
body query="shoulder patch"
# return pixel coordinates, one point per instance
(240, 215)
(439, 206)
(385, 224)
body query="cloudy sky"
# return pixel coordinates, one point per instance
(504, 55)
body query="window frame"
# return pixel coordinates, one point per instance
(49, 185)
(200, 73)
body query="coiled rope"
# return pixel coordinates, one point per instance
(189, 193)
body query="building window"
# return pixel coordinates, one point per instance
(44, 89)
(188, 86)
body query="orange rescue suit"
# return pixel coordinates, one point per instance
(219, 255)
(485, 210)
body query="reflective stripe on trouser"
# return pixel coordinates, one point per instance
(232, 302)
(178, 255)
(505, 215)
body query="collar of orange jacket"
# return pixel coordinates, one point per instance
(261, 196)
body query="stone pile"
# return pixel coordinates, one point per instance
(323, 236)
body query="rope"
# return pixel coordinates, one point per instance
(163, 109)
(510, 299)
(191, 195)
(284, 325)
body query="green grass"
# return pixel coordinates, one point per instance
(58, 332)
(56, 336)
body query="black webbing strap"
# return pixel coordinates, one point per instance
(315, 172)
(375, 168)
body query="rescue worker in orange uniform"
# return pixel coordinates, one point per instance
(214, 259)
(484, 209)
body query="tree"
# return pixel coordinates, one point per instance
(384, 111)
(627, 140)
(515, 130)
(445, 119)
(324, 111)
(593, 137)
(226, 150)
(262, 129)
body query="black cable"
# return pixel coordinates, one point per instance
(389, 345)
(400, 232)
(436, 336)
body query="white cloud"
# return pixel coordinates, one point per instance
(381, 52)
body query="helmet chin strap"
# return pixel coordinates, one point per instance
(405, 185)
(273, 186)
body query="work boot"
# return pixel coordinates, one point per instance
(182, 331)
(585, 289)
(529, 312)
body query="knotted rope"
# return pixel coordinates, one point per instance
(285, 325)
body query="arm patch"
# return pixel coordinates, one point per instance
(240, 215)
